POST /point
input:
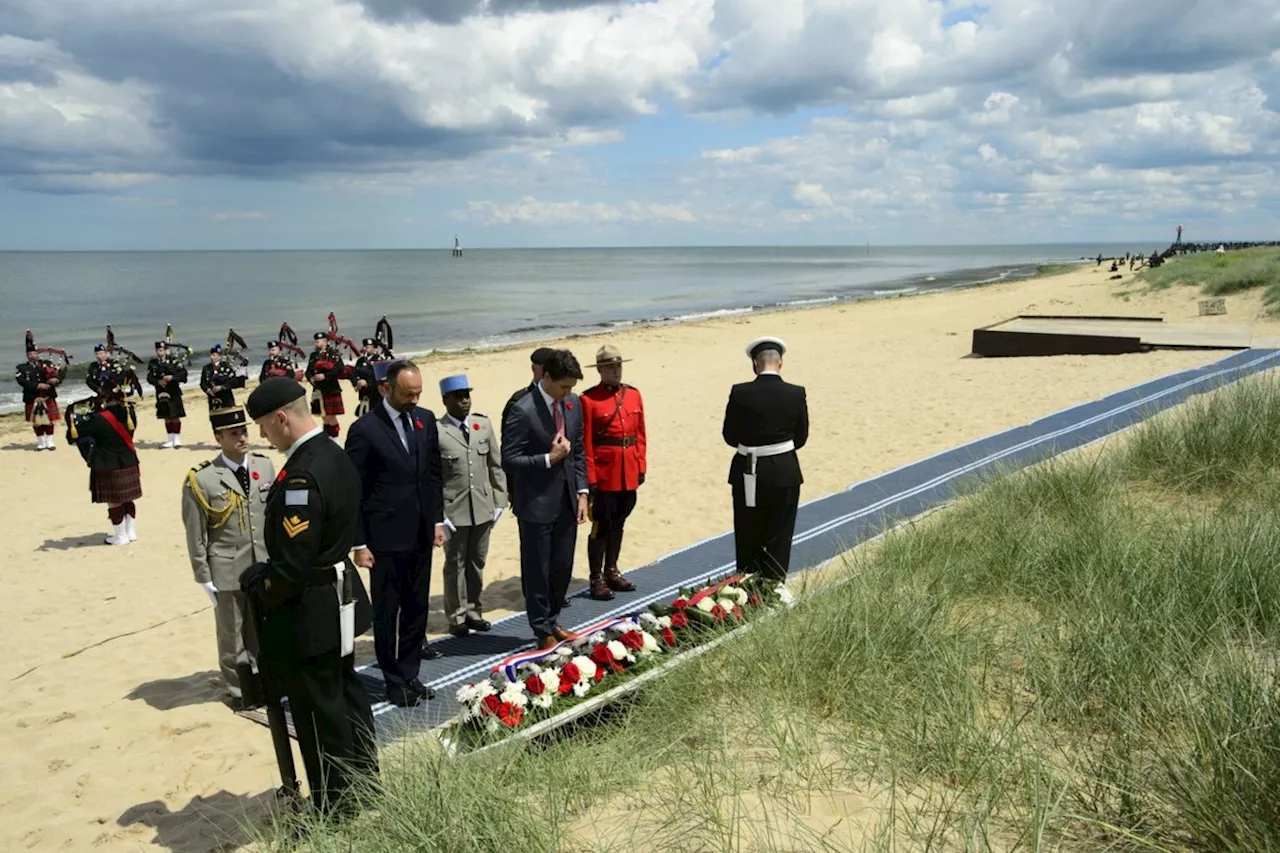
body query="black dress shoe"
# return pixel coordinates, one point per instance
(405, 697)
(565, 603)
(423, 690)
(430, 652)
(478, 624)
(460, 630)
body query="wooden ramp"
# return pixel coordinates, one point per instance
(1043, 334)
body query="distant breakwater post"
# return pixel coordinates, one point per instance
(457, 247)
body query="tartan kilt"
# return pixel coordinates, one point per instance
(332, 402)
(42, 412)
(115, 485)
(170, 407)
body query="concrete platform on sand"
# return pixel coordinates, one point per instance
(1037, 334)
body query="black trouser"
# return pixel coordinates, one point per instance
(546, 566)
(401, 594)
(762, 534)
(609, 511)
(331, 715)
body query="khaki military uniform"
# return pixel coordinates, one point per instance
(475, 489)
(224, 528)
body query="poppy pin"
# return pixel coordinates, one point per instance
(253, 474)
(476, 427)
(568, 405)
(417, 423)
(280, 476)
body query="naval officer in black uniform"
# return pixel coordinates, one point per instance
(766, 421)
(311, 522)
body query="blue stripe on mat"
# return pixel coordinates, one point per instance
(826, 527)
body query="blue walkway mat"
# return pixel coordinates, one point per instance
(825, 528)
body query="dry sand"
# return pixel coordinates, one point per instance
(112, 728)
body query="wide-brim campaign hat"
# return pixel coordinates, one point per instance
(221, 419)
(607, 355)
(759, 345)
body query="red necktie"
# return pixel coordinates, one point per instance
(558, 414)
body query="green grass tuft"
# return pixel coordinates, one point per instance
(1221, 275)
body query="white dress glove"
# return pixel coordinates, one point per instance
(208, 587)
(497, 514)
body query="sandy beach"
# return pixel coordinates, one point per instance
(112, 726)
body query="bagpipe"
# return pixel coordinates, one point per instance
(172, 345)
(235, 348)
(288, 339)
(116, 349)
(336, 338)
(383, 336)
(59, 370)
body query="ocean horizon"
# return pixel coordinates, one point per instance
(488, 298)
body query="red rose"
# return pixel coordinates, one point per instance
(602, 657)
(679, 620)
(492, 703)
(668, 636)
(417, 423)
(754, 600)
(633, 640)
(718, 613)
(254, 475)
(510, 715)
(280, 476)
(737, 612)
(534, 685)
(569, 676)
(680, 604)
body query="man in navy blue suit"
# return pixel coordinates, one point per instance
(546, 463)
(395, 448)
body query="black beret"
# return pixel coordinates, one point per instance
(368, 342)
(99, 347)
(161, 344)
(215, 348)
(222, 419)
(272, 344)
(319, 336)
(540, 355)
(272, 394)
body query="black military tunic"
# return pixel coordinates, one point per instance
(169, 405)
(277, 365)
(224, 376)
(766, 412)
(105, 374)
(312, 517)
(369, 393)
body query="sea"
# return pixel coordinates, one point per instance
(437, 302)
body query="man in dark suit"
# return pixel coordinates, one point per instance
(309, 596)
(546, 465)
(766, 422)
(396, 450)
(536, 360)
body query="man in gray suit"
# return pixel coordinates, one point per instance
(544, 458)
(223, 506)
(475, 493)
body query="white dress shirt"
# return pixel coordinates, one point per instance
(301, 441)
(234, 466)
(397, 423)
(551, 404)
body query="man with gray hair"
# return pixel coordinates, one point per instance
(766, 421)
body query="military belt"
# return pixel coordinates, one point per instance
(319, 577)
(613, 441)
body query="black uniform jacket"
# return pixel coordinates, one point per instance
(109, 450)
(767, 411)
(225, 377)
(312, 516)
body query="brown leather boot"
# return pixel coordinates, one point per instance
(614, 578)
(600, 590)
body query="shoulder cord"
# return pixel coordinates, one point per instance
(218, 517)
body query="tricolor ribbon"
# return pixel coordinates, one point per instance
(511, 666)
(712, 590)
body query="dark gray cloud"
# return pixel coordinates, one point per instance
(453, 11)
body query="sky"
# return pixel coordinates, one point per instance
(261, 124)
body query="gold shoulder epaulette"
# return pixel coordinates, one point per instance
(205, 464)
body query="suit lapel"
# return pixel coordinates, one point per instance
(227, 478)
(380, 412)
(544, 413)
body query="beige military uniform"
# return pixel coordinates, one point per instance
(475, 488)
(224, 528)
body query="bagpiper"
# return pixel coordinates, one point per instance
(613, 438)
(39, 379)
(218, 379)
(766, 421)
(277, 363)
(223, 512)
(324, 370)
(104, 372)
(166, 373)
(104, 438)
(364, 379)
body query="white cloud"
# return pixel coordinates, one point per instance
(811, 195)
(532, 211)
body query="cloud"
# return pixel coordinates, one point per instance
(811, 195)
(532, 211)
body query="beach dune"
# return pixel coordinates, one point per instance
(111, 723)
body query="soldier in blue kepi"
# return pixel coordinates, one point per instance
(475, 494)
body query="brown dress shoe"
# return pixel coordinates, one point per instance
(600, 590)
(617, 582)
(561, 634)
(545, 643)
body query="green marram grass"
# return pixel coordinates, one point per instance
(1077, 657)
(1223, 274)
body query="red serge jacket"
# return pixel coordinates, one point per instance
(613, 437)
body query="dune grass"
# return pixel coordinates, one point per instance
(1079, 657)
(1221, 275)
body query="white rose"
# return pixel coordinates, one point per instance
(619, 651)
(550, 680)
(651, 645)
(586, 668)
(664, 622)
(515, 695)
(707, 604)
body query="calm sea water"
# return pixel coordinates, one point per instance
(437, 302)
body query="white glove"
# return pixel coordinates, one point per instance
(497, 514)
(208, 587)
(449, 529)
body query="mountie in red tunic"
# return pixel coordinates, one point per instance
(613, 437)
